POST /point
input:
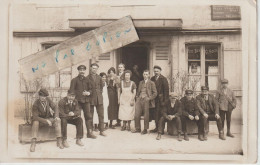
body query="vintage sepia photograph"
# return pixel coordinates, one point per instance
(131, 80)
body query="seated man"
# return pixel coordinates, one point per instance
(42, 115)
(190, 111)
(70, 113)
(209, 110)
(145, 99)
(171, 112)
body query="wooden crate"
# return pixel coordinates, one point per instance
(45, 133)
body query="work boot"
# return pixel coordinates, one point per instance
(154, 130)
(158, 136)
(59, 143)
(65, 143)
(91, 135)
(102, 133)
(221, 135)
(205, 136)
(230, 134)
(200, 137)
(144, 132)
(79, 142)
(179, 137)
(136, 131)
(33, 145)
(186, 137)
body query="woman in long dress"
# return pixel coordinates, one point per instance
(126, 100)
(112, 96)
(105, 103)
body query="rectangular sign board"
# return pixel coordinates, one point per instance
(78, 49)
(225, 12)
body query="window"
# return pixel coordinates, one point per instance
(203, 66)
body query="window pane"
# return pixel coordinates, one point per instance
(52, 80)
(212, 82)
(65, 80)
(194, 67)
(194, 52)
(211, 67)
(211, 52)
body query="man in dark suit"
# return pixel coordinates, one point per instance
(190, 111)
(209, 109)
(70, 113)
(227, 102)
(144, 100)
(172, 111)
(96, 98)
(45, 113)
(162, 88)
(80, 86)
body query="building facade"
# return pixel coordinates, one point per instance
(200, 43)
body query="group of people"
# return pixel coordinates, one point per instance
(124, 97)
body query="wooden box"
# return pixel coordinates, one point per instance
(45, 133)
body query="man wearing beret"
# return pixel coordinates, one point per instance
(70, 113)
(227, 102)
(190, 111)
(162, 88)
(45, 113)
(172, 111)
(209, 109)
(81, 87)
(96, 98)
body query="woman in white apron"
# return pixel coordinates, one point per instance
(126, 100)
(105, 104)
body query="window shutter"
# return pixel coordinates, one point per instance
(162, 52)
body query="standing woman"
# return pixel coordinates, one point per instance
(126, 100)
(112, 96)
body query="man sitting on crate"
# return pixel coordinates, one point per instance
(190, 111)
(45, 113)
(172, 111)
(209, 109)
(70, 113)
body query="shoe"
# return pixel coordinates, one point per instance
(79, 142)
(221, 135)
(205, 136)
(154, 130)
(102, 133)
(230, 134)
(91, 135)
(117, 125)
(33, 145)
(136, 131)
(200, 137)
(186, 138)
(179, 137)
(96, 130)
(65, 143)
(112, 126)
(144, 132)
(123, 128)
(158, 136)
(59, 143)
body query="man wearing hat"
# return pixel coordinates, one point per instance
(81, 87)
(190, 111)
(172, 111)
(162, 88)
(96, 98)
(70, 113)
(209, 109)
(45, 113)
(227, 102)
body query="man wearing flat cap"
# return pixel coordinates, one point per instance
(190, 111)
(81, 87)
(162, 97)
(209, 109)
(70, 113)
(96, 98)
(45, 113)
(227, 102)
(172, 111)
